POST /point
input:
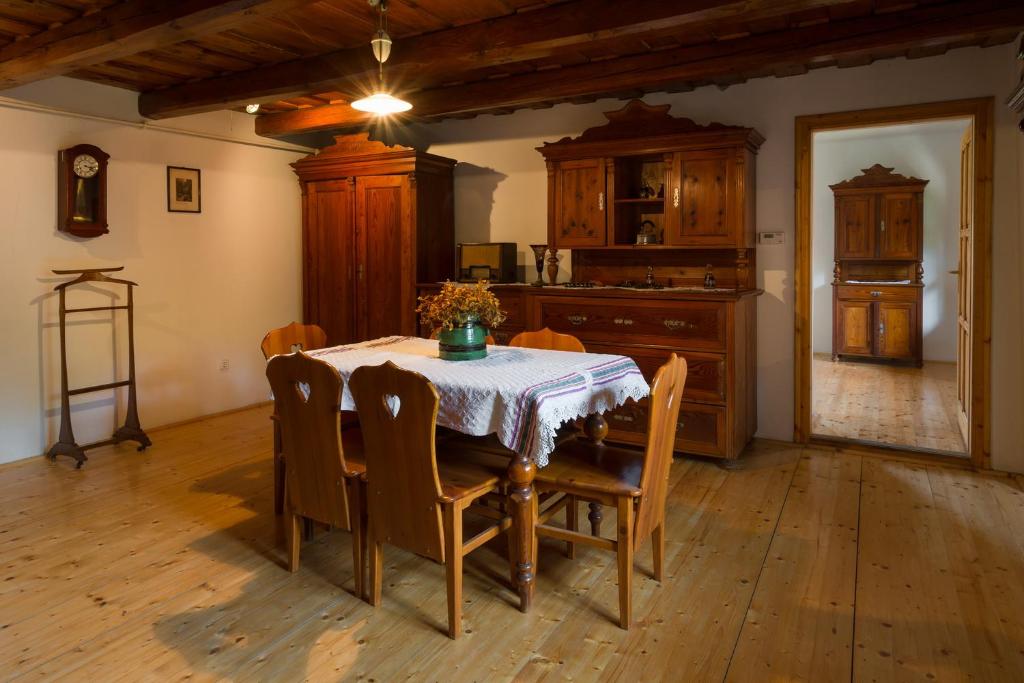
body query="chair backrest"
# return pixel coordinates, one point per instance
(666, 395)
(284, 339)
(398, 414)
(546, 339)
(307, 392)
(489, 340)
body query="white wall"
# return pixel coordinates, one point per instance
(923, 150)
(503, 196)
(210, 284)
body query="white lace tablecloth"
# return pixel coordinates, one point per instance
(522, 395)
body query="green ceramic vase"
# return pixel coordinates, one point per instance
(466, 342)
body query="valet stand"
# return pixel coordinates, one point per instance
(130, 431)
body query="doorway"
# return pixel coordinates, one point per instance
(892, 291)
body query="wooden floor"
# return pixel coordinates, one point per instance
(887, 404)
(802, 564)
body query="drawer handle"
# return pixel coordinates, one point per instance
(623, 321)
(679, 324)
(576, 319)
(623, 418)
(876, 293)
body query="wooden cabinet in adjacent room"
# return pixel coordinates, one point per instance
(878, 274)
(877, 321)
(375, 220)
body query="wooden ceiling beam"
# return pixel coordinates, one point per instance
(754, 55)
(122, 30)
(431, 58)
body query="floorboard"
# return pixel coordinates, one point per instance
(886, 404)
(800, 622)
(800, 564)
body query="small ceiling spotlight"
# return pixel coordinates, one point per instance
(252, 108)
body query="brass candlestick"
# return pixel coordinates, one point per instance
(538, 254)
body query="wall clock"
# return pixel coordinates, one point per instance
(82, 191)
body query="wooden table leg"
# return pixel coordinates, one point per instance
(596, 429)
(523, 503)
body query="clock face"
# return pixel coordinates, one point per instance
(85, 166)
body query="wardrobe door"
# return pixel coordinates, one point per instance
(385, 273)
(328, 256)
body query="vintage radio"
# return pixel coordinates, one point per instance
(493, 261)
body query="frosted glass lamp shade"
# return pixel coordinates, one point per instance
(381, 103)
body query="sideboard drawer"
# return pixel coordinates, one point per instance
(877, 292)
(511, 303)
(705, 372)
(690, 324)
(701, 428)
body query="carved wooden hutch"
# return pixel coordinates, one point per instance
(877, 282)
(375, 221)
(695, 184)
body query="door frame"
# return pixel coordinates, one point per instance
(981, 113)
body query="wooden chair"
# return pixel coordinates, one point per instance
(552, 341)
(635, 483)
(546, 339)
(285, 340)
(324, 478)
(415, 500)
(489, 340)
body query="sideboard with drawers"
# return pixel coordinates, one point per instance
(714, 331)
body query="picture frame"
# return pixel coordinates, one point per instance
(184, 190)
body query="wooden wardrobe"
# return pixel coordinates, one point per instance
(375, 221)
(878, 277)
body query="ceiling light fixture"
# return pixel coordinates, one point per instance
(381, 102)
(252, 108)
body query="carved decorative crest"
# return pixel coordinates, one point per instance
(357, 144)
(877, 176)
(639, 119)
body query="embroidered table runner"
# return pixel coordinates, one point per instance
(522, 395)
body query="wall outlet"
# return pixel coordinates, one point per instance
(771, 237)
(224, 365)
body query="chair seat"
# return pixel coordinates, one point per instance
(582, 467)
(465, 472)
(354, 450)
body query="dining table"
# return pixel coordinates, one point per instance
(520, 395)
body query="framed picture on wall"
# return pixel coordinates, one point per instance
(184, 190)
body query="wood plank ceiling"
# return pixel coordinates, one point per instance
(304, 60)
